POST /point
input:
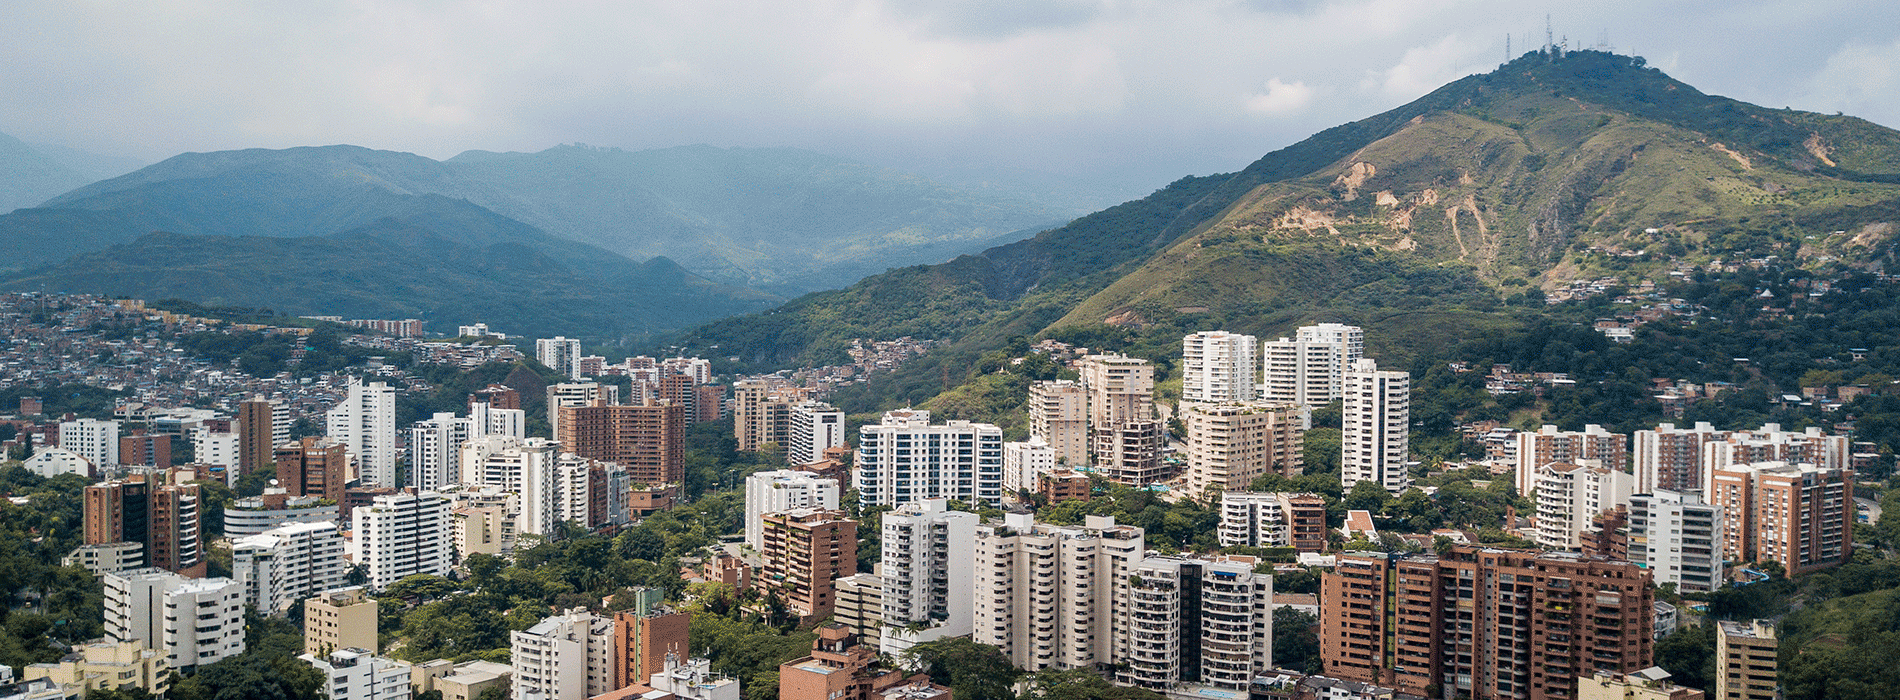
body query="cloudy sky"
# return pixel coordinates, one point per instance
(1114, 96)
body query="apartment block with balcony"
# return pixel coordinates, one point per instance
(1267, 519)
(1219, 367)
(804, 550)
(926, 552)
(1799, 515)
(1678, 538)
(1548, 444)
(1231, 444)
(1048, 595)
(1058, 414)
(1197, 622)
(904, 458)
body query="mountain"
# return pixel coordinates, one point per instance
(776, 219)
(28, 175)
(445, 261)
(1418, 222)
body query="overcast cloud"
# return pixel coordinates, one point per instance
(1124, 95)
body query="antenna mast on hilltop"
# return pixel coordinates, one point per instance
(1547, 34)
(1507, 47)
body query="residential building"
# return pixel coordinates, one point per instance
(1125, 440)
(470, 680)
(815, 427)
(1772, 444)
(842, 667)
(1025, 462)
(150, 508)
(50, 462)
(488, 419)
(645, 636)
(649, 438)
(1058, 414)
(1678, 538)
(435, 451)
(275, 509)
(107, 558)
(1310, 368)
(96, 441)
(561, 354)
(141, 605)
(1267, 519)
(1746, 660)
(1570, 495)
(904, 458)
(1196, 621)
(401, 535)
(803, 551)
(1482, 622)
(1670, 458)
(1065, 484)
(1547, 445)
(486, 530)
(525, 468)
(689, 679)
(107, 665)
(925, 556)
(313, 466)
(860, 607)
(762, 413)
(569, 656)
(365, 422)
(261, 426)
(1219, 367)
(339, 618)
(219, 448)
(1799, 515)
(142, 449)
(497, 396)
(1647, 684)
(1231, 444)
(783, 490)
(1375, 439)
(1046, 594)
(578, 394)
(287, 564)
(1129, 452)
(359, 674)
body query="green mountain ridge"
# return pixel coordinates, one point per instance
(29, 175)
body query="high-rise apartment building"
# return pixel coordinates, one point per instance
(261, 426)
(804, 551)
(561, 354)
(401, 535)
(152, 509)
(287, 564)
(526, 468)
(1670, 458)
(564, 657)
(435, 451)
(649, 439)
(1570, 495)
(1310, 368)
(1547, 445)
(365, 422)
(1799, 515)
(145, 605)
(1267, 519)
(95, 440)
(782, 490)
(217, 448)
(815, 427)
(1046, 594)
(1232, 443)
(577, 394)
(1058, 413)
(1375, 440)
(1219, 367)
(313, 466)
(904, 458)
(860, 607)
(1678, 538)
(488, 419)
(1484, 623)
(142, 449)
(359, 674)
(925, 559)
(1024, 462)
(1125, 440)
(762, 413)
(339, 618)
(1772, 444)
(645, 635)
(1197, 622)
(1746, 660)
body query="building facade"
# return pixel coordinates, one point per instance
(1058, 414)
(925, 564)
(1569, 496)
(151, 509)
(143, 605)
(1548, 444)
(804, 551)
(815, 427)
(561, 354)
(401, 535)
(1799, 515)
(96, 441)
(565, 657)
(649, 439)
(782, 490)
(365, 423)
(1198, 622)
(905, 458)
(1375, 440)
(1310, 368)
(1678, 538)
(1219, 367)
(287, 564)
(1046, 595)
(1231, 444)
(1266, 519)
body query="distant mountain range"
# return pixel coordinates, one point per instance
(31, 174)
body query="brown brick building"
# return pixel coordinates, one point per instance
(644, 636)
(1799, 515)
(144, 449)
(804, 551)
(647, 439)
(1490, 623)
(313, 466)
(152, 509)
(256, 423)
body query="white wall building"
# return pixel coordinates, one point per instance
(564, 657)
(1058, 414)
(487, 420)
(213, 447)
(926, 551)
(1570, 495)
(904, 458)
(526, 468)
(194, 621)
(561, 354)
(1548, 444)
(50, 462)
(96, 441)
(253, 516)
(287, 564)
(365, 422)
(400, 535)
(816, 427)
(1024, 462)
(782, 490)
(573, 488)
(1217, 366)
(357, 674)
(1678, 538)
(435, 450)
(1310, 368)
(1375, 440)
(1046, 594)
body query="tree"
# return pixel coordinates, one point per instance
(1295, 640)
(972, 671)
(1688, 654)
(1080, 684)
(1367, 495)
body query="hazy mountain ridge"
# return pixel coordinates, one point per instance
(29, 175)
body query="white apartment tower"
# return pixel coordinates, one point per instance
(1310, 368)
(527, 468)
(1678, 538)
(1374, 442)
(401, 535)
(1570, 495)
(783, 490)
(564, 657)
(561, 354)
(435, 450)
(1217, 366)
(194, 621)
(1046, 594)
(927, 551)
(358, 674)
(1196, 621)
(289, 563)
(1024, 462)
(904, 458)
(95, 440)
(1058, 413)
(816, 427)
(487, 420)
(365, 422)
(1230, 444)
